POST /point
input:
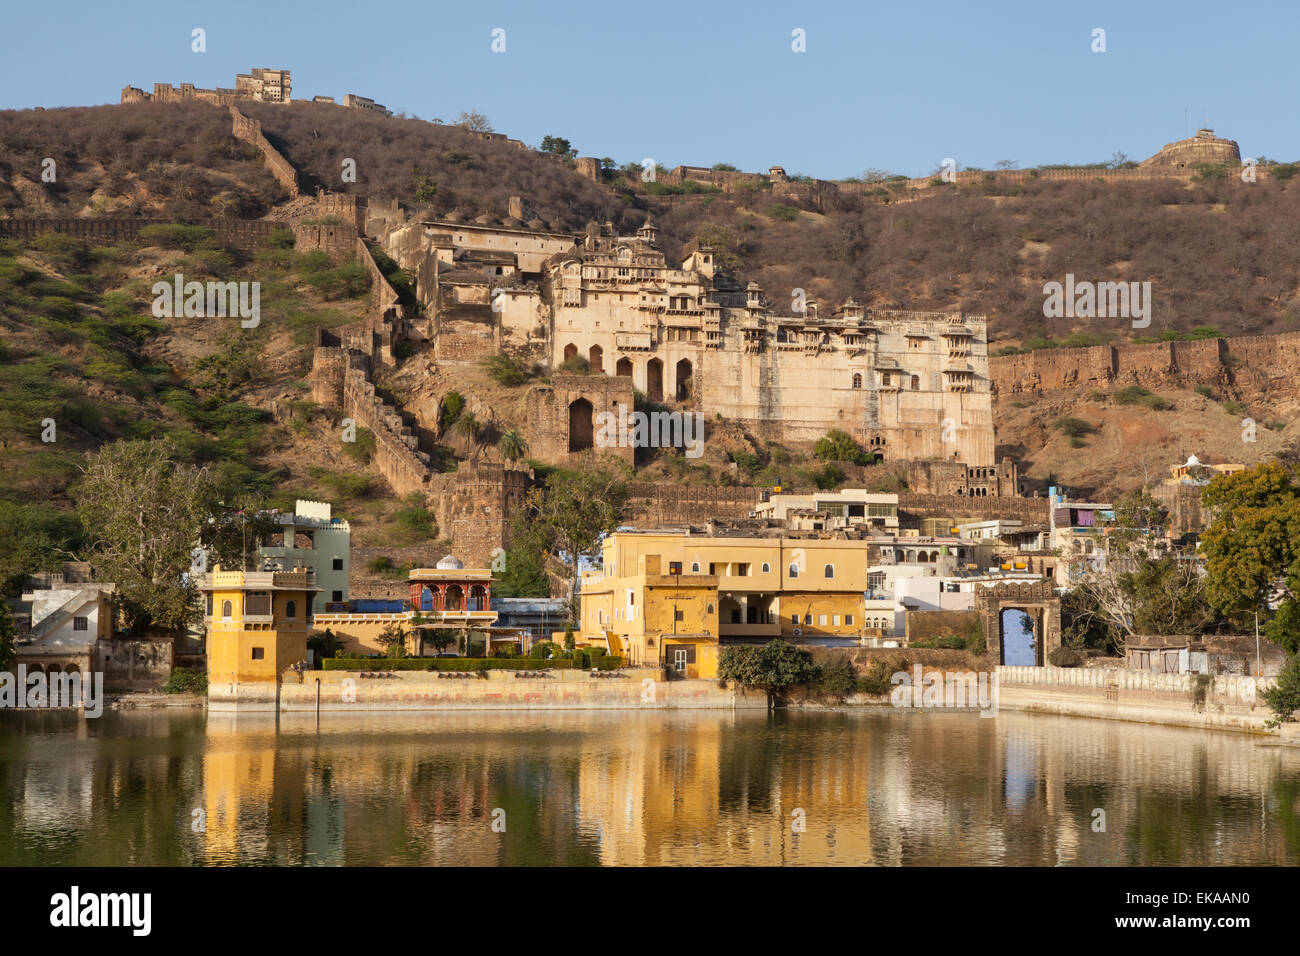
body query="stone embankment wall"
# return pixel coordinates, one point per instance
(631, 689)
(1231, 702)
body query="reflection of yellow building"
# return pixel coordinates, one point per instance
(659, 592)
(257, 623)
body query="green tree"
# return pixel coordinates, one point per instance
(1252, 546)
(773, 668)
(393, 639)
(8, 647)
(567, 519)
(144, 513)
(559, 146)
(838, 446)
(33, 538)
(470, 429)
(1284, 695)
(512, 446)
(1168, 595)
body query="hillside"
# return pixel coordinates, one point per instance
(81, 346)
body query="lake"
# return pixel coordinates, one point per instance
(854, 787)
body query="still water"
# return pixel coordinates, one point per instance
(634, 788)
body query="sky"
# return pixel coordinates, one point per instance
(893, 86)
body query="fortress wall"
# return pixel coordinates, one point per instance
(242, 234)
(395, 446)
(914, 506)
(653, 503)
(1256, 363)
(475, 507)
(250, 131)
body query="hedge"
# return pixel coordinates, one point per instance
(460, 664)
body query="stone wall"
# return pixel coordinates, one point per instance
(551, 414)
(134, 665)
(475, 506)
(913, 507)
(662, 503)
(246, 235)
(927, 625)
(631, 689)
(397, 454)
(1259, 366)
(250, 131)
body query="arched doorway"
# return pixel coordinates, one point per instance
(570, 352)
(623, 368)
(426, 598)
(1019, 637)
(654, 380)
(455, 598)
(581, 427)
(596, 359)
(683, 380)
(478, 598)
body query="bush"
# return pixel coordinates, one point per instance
(838, 677)
(1066, 657)
(544, 650)
(505, 370)
(876, 681)
(186, 680)
(456, 664)
(1284, 695)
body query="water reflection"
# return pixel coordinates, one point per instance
(638, 789)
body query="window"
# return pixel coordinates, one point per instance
(829, 571)
(766, 567)
(336, 595)
(674, 567)
(821, 620)
(794, 619)
(678, 615)
(337, 564)
(794, 570)
(209, 604)
(836, 620)
(710, 611)
(713, 568)
(80, 624)
(742, 570)
(695, 567)
(848, 620)
(225, 610)
(857, 379)
(259, 653)
(291, 609)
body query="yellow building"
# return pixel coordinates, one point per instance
(257, 623)
(663, 596)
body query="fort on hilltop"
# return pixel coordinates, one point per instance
(1202, 149)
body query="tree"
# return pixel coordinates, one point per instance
(558, 146)
(144, 513)
(474, 121)
(1284, 695)
(836, 445)
(567, 519)
(1168, 595)
(774, 668)
(1252, 546)
(393, 639)
(524, 574)
(512, 445)
(8, 647)
(469, 428)
(32, 538)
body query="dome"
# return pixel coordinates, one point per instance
(450, 563)
(1192, 462)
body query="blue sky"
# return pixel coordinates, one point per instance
(897, 86)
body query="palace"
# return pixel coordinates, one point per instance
(905, 385)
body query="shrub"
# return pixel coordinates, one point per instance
(838, 677)
(1065, 657)
(1075, 428)
(1284, 695)
(544, 650)
(505, 370)
(186, 680)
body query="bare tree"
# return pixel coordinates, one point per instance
(475, 122)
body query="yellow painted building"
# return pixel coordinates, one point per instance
(257, 623)
(659, 591)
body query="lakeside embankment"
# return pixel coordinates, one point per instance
(630, 688)
(1225, 702)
